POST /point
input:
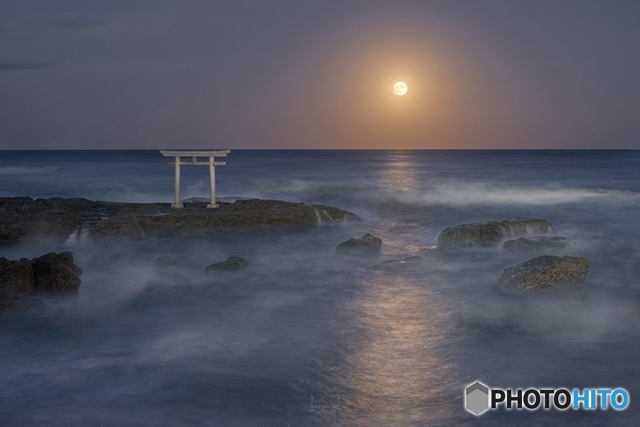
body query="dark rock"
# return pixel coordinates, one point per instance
(365, 244)
(536, 244)
(490, 234)
(411, 263)
(56, 273)
(16, 277)
(545, 272)
(53, 273)
(232, 263)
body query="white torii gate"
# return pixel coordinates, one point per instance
(194, 155)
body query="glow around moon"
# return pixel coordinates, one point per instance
(400, 88)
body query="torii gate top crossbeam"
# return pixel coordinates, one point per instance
(176, 153)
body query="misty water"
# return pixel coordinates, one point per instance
(305, 336)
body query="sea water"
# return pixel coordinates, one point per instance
(305, 336)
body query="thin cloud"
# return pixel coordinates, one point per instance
(74, 24)
(20, 66)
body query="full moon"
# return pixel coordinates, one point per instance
(400, 88)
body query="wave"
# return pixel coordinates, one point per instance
(444, 193)
(21, 170)
(464, 194)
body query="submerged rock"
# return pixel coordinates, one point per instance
(53, 273)
(536, 244)
(545, 272)
(411, 263)
(232, 263)
(366, 244)
(490, 234)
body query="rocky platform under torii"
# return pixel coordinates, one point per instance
(23, 217)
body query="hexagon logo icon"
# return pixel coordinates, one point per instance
(476, 398)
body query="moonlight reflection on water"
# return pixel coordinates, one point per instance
(395, 365)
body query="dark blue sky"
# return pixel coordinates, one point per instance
(303, 74)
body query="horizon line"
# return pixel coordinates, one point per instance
(322, 149)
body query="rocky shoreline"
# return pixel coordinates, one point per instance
(22, 218)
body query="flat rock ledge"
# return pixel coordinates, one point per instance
(53, 273)
(490, 234)
(23, 217)
(545, 273)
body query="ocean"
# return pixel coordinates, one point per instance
(305, 336)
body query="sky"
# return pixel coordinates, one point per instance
(85, 74)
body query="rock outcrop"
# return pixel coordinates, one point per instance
(23, 217)
(56, 273)
(53, 273)
(490, 234)
(544, 273)
(232, 263)
(366, 244)
(536, 244)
